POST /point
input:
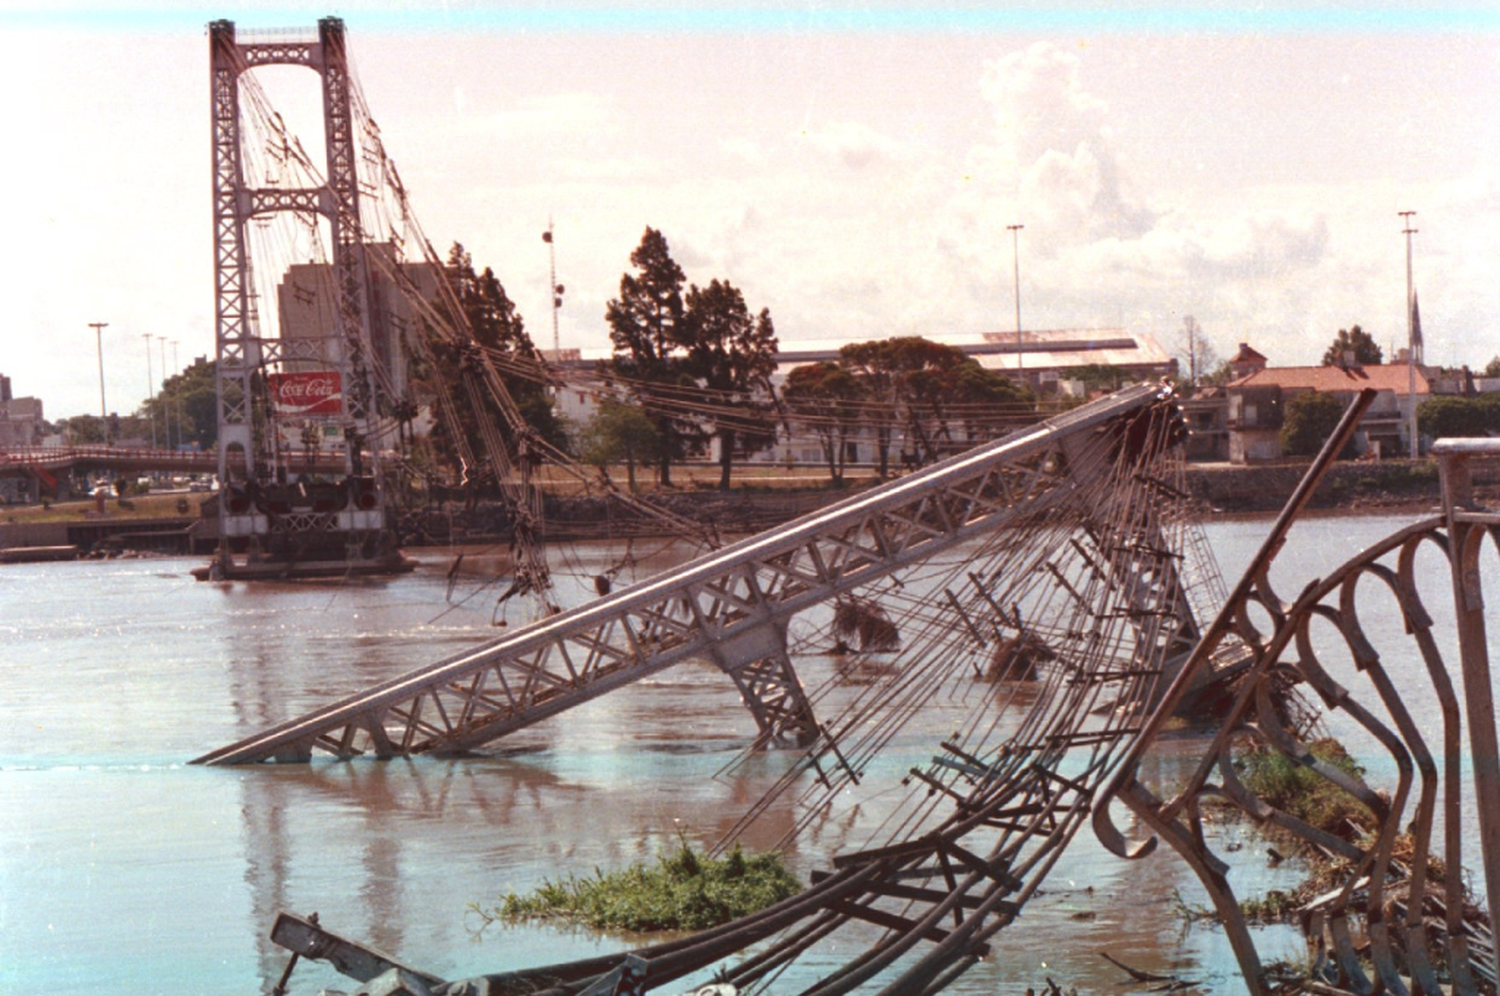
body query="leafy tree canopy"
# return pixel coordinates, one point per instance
(1353, 340)
(1456, 416)
(491, 314)
(732, 355)
(1309, 420)
(926, 387)
(647, 328)
(619, 432)
(1102, 376)
(646, 320)
(464, 398)
(188, 404)
(826, 398)
(670, 347)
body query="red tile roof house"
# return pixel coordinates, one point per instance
(1258, 399)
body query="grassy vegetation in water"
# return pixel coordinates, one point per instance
(1298, 790)
(685, 890)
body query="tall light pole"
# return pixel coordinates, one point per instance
(1411, 345)
(150, 382)
(1015, 246)
(99, 328)
(161, 344)
(556, 289)
(177, 393)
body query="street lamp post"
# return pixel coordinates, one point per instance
(161, 342)
(99, 328)
(1411, 345)
(1015, 246)
(150, 382)
(177, 394)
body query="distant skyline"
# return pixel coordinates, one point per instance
(851, 168)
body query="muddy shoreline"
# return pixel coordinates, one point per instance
(1223, 491)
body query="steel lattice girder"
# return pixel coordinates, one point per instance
(731, 606)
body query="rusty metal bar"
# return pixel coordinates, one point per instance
(1467, 538)
(1109, 835)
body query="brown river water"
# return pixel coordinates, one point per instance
(123, 867)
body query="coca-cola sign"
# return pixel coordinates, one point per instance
(317, 393)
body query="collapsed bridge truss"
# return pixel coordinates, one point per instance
(1064, 555)
(734, 606)
(989, 815)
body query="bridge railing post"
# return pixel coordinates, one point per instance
(1466, 540)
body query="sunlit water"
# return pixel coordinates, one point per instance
(122, 867)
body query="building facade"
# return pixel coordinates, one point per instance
(1256, 406)
(21, 422)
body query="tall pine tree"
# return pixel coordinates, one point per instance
(733, 355)
(646, 325)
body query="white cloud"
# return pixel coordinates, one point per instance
(852, 144)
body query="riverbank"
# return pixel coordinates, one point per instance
(158, 522)
(1349, 487)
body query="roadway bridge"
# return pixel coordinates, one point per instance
(55, 459)
(52, 467)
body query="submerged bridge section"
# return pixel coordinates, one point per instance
(983, 822)
(733, 606)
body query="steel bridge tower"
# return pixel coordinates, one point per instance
(293, 524)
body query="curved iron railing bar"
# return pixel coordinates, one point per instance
(1375, 864)
(1420, 827)
(1419, 624)
(1419, 783)
(1105, 829)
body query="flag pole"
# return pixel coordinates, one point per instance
(1411, 344)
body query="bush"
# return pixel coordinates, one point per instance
(1310, 419)
(685, 891)
(1447, 415)
(1293, 788)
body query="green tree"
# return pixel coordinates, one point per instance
(188, 406)
(1221, 374)
(1353, 340)
(924, 387)
(648, 329)
(733, 355)
(1492, 368)
(82, 430)
(826, 398)
(872, 364)
(990, 401)
(619, 432)
(464, 399)
(1454, 416)
(195, 394)
(1309, 419)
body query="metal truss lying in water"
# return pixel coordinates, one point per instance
(1064, 556)
(1077, 503)
(1070, 546)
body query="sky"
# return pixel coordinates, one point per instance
(853, 168)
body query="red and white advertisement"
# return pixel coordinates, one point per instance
(295, 394)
